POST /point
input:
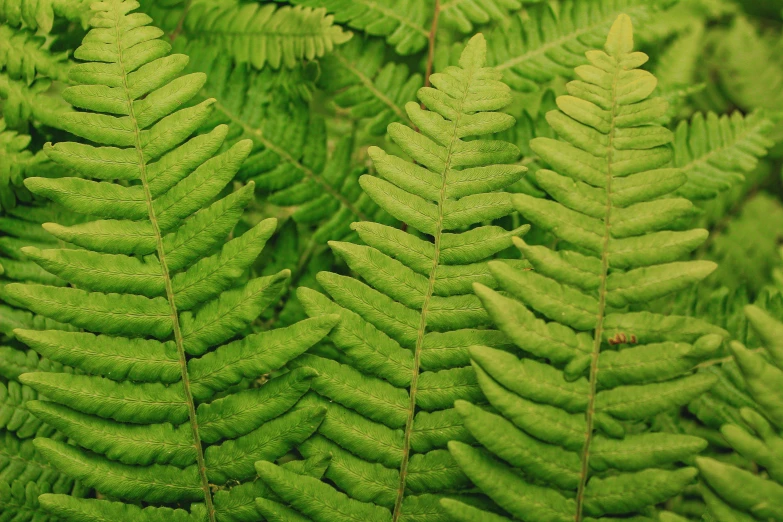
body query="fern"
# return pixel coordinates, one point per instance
(716, 152)
(404, 333)
(261, 35)
(154, 411)
(465, 14)
(610, 206)
(41, 14)
(367, 87)
(535, 48)
(24, 475)
(24, 56)
(749, 66)
(747, 253)
(16, 161)
(733, 494)
(289, 158)
(403, 23)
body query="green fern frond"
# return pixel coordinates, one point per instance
(40, 14)
(683, 16)
(735, 495)
(405, 330)
(750, 66)
(403, 23)
(535, 47)
(24, 55)
(24, 103)
(560, 447)
(465, 14)
(16, 161)
(24, 475)
(290, 161)
(747, 253)
(162, 409)
(265, 34)
(369, 88)
(715, 152)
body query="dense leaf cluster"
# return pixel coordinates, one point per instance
(400, 261)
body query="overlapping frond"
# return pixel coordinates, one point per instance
(464, 15)
(750, 66)
(24, 475)
(747, 253)
(16, 161)
(403, 23)
(715, 152)
(265, 34)
(166, 400)
(40, 15)
(369, 88)
(407, 324)
(24, 55)
(560, 444)
(732, 494)
(534, 47)
(289, 162)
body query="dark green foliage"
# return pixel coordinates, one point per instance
(280, 274)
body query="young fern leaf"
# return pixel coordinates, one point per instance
(610, 206)
(158, 298)
(539, 45)
(716, 152)
(404, 332)
(265, 34)
(403, 23)
(735, 495)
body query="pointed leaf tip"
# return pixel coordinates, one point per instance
(620, 40)
(475, 54)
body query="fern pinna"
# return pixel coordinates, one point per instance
(404, 334)
(592, 363)
(166, 409)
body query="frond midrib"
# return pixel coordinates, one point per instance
(200, 462)
(598, 334)
(424, 309)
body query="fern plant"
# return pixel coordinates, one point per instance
(542, 43)
(737, 495)
(404, 332)
(565, 444)
(163, 409)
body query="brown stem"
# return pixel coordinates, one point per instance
(431, 46)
